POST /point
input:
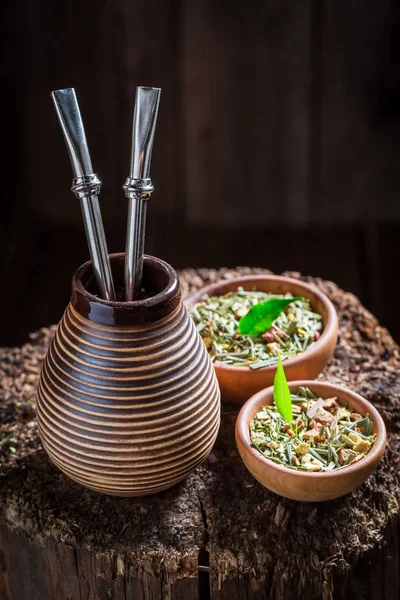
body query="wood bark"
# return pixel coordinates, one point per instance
(217, 535)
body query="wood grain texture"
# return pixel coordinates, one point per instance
(247, 119)
(355, 113)
(293, 106)
(128, 410)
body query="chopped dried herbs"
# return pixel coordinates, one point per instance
(323, 435)
(217, 319)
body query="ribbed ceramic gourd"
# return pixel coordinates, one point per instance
(128, 402)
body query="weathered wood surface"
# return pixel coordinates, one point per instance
(59, 540)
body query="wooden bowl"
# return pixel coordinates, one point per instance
(128, 403)
(237, 384)
(299, 485)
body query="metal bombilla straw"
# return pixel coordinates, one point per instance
(86, 187)
(138, 186)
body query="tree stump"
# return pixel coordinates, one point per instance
(219, 534)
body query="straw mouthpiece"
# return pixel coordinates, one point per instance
(144, 124)
(69, 115)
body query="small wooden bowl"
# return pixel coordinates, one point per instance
(237, 384)
(299, 485)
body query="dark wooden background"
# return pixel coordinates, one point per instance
(277, 145)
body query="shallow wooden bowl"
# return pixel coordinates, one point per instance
(128, 402)
(297, 485)
(237, 384)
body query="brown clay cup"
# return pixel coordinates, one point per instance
(237, 384)
(128, 402)
(299, 485)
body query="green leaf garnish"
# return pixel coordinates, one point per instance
(282, 397)
(261, 316)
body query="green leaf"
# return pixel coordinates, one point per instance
(282, 397)
(261, 316)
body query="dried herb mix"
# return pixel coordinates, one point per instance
(217, 319)
(323, 435)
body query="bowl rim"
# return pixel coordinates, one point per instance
(330, 326)
(242, 429)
